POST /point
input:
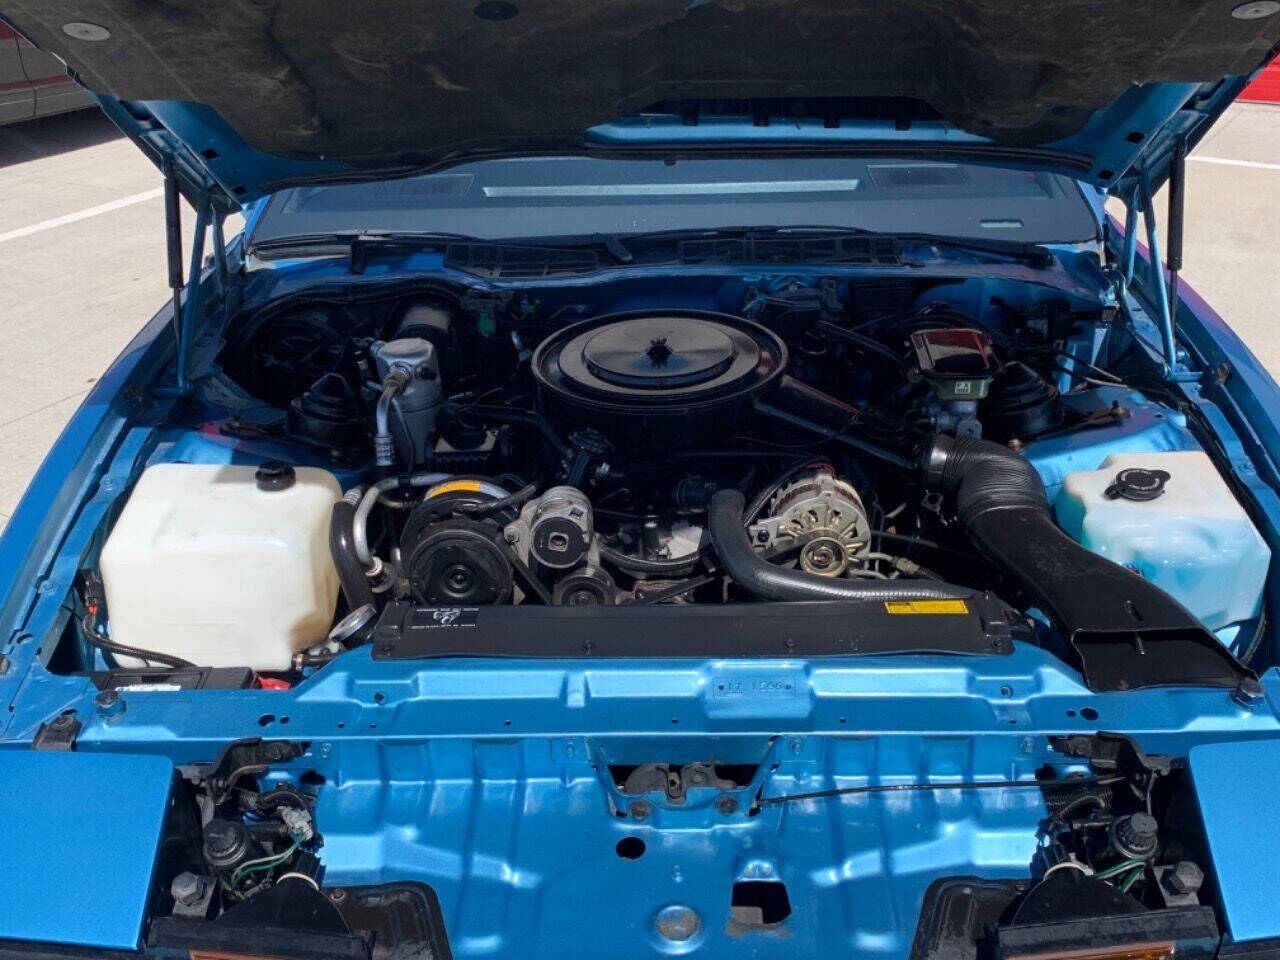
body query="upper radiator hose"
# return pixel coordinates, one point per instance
(1122, 631)
(762, 578)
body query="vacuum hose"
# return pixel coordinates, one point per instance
(351, 575)
(769, 582)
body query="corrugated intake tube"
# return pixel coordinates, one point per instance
(1121, 630)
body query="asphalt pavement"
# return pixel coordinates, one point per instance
(82, 263)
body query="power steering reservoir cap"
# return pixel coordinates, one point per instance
(1138, 484)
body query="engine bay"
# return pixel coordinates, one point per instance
(426, 609)
(963, 469)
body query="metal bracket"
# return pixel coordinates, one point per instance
(250, 756)
(59, 734)
(675, 782)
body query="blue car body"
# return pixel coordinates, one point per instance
(494, 783)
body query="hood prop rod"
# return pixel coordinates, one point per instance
(1155, 265)
(173, 250)
(1177, 207)
(186, 309)
(1140, 202)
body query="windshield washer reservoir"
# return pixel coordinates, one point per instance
(224, 566)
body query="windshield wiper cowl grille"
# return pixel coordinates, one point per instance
(516, 261)
(871, 250)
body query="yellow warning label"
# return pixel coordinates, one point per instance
(926, 606)
(454, 486)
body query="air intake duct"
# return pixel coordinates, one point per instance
(1120, 631)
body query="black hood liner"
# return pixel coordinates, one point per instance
(376, 82)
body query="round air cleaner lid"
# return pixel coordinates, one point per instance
(655, 359)
(655, 354)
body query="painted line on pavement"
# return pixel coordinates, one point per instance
(84, 214)
(1226, 162)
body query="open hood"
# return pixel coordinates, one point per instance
(252, 95)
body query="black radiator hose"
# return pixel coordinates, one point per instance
(355, 587)
(1121, 630)
(763, 579)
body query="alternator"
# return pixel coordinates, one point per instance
(824, 516)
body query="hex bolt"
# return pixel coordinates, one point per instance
(109, 704)
(1184, 879)
(639, 810)
(797, 746)
(726, 805)
(187, 888)
(1248, 692)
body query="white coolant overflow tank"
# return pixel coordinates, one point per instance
(1173, 519)
(221, 565)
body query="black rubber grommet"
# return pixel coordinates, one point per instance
(275, 475)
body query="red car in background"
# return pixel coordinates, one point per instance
(34, 83)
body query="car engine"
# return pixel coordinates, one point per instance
(435, 454)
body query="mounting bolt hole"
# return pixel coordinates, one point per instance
(266, 720)
(1089, 713)
(630, 848)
